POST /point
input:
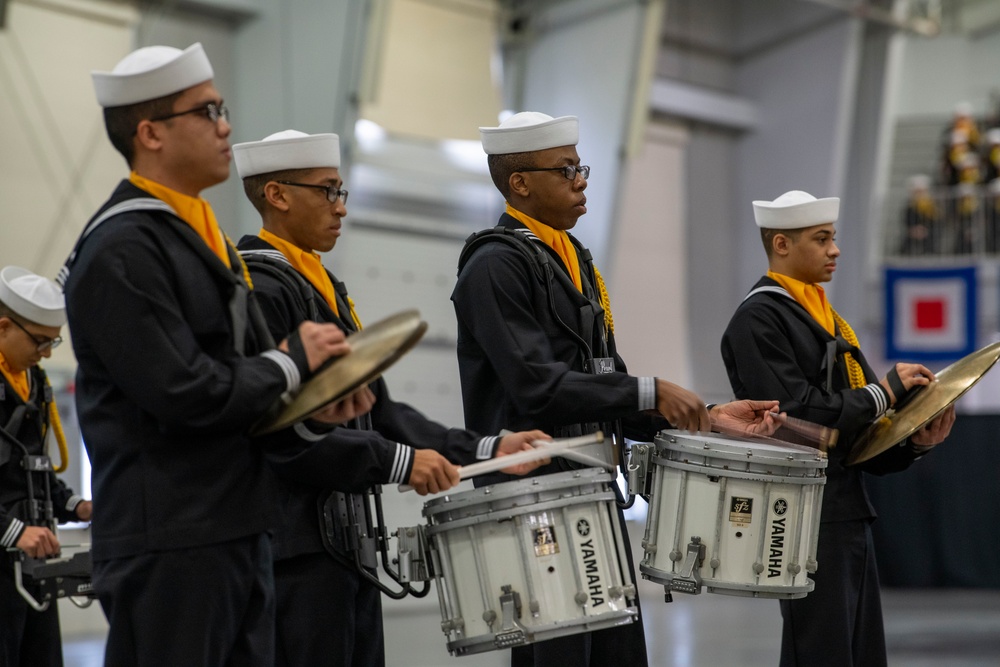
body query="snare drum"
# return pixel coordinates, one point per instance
(529, 560)
(739, 517)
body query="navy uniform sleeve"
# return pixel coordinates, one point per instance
(404, 423)
(127, 310)
(493, 300)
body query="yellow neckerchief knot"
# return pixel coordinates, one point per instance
(308, 264)
(855, 373)
(354, 315)
(924, 205)
(57, 429)
(813, 298)
(609, 320)
(19, 381)
(195, 211)
(243, 265)
(557, 239)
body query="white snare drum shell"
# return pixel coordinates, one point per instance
(529, 560)
(755, 507)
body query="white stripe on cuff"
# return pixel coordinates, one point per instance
(400, 463)
(9, 538)
(484, 450)
(647, 393)
(73, 502)
(878, 393)
(292, 377)
(303, 432)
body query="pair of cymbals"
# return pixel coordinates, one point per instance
(373, 350)
(924, 404)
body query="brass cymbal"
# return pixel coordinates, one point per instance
(373, 350)
(926, 404)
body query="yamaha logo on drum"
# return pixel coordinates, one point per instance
(588, 553)
(777, 556)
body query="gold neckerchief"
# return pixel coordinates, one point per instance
(810, 297)
(19, 381)
(308, 264)
(557, 239)
(195, 211)
(813, 299)
(924, 205)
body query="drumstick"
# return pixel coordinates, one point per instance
(824, 436)
(543, 449)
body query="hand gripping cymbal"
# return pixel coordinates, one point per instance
(373, 350)
(924, 404)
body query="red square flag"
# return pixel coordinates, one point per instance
(930, 313)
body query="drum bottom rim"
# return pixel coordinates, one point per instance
(733, 588)
(486, 642)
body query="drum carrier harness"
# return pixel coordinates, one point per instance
(346, 523)
(48, 578)
(595, 356)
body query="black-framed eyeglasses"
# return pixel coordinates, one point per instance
(211, 110)
(42, 342)
(332, 193)
(569, 171)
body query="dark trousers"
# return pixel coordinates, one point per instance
(621, 646)
(28, 638)
(210, 606)
(327, 614)
(840, 623)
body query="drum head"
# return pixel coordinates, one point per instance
(373, 350)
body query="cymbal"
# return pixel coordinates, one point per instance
(924, 404)
(373, 350)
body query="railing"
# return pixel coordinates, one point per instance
(959, 221)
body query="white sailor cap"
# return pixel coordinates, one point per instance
(289, 149)
(963, 108)
(796, 210)
(919, 182)
(150, 73)
(33, 297)
(993, 136)
(969, 160)
(530, 131)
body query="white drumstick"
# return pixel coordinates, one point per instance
(543, 449)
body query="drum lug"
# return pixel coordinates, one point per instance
(689, 578)
(638, 469)
(811, 565)
(413, 560)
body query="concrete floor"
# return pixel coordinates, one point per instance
(924, 628)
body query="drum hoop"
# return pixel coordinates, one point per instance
(797, 462)
(741, 474)
(663, 577)
(793, 455)
(519, 487)
(607, 619)
(493, 516)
